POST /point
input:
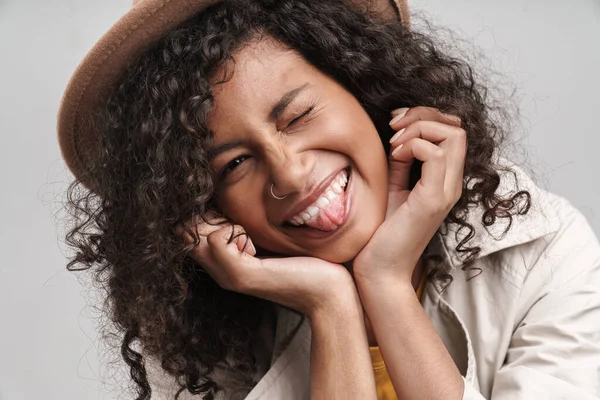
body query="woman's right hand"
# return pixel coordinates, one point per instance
(306, 284)
(325, 292)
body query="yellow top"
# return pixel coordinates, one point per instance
(385, 390)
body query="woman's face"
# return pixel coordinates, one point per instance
(280, 121)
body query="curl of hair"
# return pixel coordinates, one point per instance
(153, 173)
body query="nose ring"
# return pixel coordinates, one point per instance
(273, 194)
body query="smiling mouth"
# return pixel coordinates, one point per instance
(329, 211)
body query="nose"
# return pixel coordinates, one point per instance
(289, 169)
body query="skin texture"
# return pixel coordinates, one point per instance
(297, 156)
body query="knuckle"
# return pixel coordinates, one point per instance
(451, 118)
(455, 118)
(204, 229)
(461, 134)
(417, 113)
(439, 154)
(417, 109)
(214, 237)
(419, 124)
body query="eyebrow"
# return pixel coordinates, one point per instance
(213, 152)
(285, 101)
(275, 113)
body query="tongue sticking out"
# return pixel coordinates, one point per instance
(330, 218)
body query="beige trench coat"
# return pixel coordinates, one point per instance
(528, 327)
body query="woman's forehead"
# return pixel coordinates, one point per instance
(260, 74)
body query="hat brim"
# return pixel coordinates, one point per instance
(100, 70)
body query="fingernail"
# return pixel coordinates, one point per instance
(397, 149)
(397, 135)
(252, 249)
(401, 112)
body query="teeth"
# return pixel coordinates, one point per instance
(313, 211)
(322, 202)
(336, 188)
(343, 179)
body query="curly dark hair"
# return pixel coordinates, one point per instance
(153, 173)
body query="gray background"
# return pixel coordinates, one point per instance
(49, 348)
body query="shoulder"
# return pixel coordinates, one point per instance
(553, 236)
(555, 239)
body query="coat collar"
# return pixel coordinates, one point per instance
(540, 220)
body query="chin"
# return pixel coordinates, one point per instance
(347, 248)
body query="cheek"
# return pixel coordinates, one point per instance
(350, 127)
(357, 137)
(244, 206)
(241, 205)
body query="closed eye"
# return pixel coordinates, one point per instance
(298, 118)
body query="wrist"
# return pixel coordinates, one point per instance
(374, 290)
(375, 277)
(369, 269)
(342, 302)
(332, 321)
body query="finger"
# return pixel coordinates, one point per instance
(399, 113)
(244, 243)
(424, 114)
(399, 172)
(237, 235)
(232, 268)
(433, 172)
(209, 223)
(202, 226)
(449, 138)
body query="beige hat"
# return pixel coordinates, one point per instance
(100, 70)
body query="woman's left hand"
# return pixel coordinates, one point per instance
(413, 216)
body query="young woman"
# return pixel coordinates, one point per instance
(296, 198)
